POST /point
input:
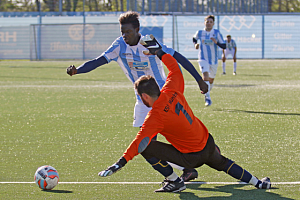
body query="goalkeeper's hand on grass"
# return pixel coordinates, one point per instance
(153, 46)
(71, 70)
(114, 168)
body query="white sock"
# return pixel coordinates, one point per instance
(207, 95)
(253, 180)
(234, 67)
(172, 177)
(224, 66)
(176, 166)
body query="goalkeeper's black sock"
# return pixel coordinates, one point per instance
(161, 166)
(238, 172)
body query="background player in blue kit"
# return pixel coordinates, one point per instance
(230, 49)
(128, 53)
(209, 39)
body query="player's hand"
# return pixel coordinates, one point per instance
(214, 40)
(111, 170)
(71, 70)
(151, 44)
(114, 168)
(197, 46)
(203, 86)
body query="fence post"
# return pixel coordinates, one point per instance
(39, 34)
(83, 32)
(263, 38)
(60, 7)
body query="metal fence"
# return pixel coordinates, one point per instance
(67, 7)
(257, 36)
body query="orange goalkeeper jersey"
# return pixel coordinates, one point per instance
(172, 117)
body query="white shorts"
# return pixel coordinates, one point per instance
(228, 52)
(206, 67)
(140, 113)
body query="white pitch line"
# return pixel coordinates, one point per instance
(147, 183)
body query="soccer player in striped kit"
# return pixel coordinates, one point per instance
(127, 52)
(230, 49)
(191, 145)
(209, 39)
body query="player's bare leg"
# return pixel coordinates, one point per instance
(224, 64)
(234, 65)
(208, 81)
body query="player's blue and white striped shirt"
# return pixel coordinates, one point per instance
(208, 49)
(230, 45)
(136, 64)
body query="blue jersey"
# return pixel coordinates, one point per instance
(208, 49)
(136, 64)
(230, 45)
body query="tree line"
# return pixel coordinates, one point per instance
(121, 5)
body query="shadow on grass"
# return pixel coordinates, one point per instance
(233, 192)
(255, 112)
(58, 191)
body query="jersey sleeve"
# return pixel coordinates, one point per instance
(152, 126)
(175, 78)
(112, 53)
(220, 38)
(196, 36)
(233, 44)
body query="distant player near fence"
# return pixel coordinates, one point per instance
(230, 50)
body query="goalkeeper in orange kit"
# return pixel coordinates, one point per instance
(191, 145)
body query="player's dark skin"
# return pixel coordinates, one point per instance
(130, 35)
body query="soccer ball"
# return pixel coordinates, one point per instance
(46, 177)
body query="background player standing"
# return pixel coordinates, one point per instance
(210, 39)
(230, 49)
(191, 145)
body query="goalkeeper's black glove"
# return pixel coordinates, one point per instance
(152, 45)
(114, 168)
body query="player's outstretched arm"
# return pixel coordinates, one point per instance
(114, 168)
(87, 66)
(154, 48)
(186, 64)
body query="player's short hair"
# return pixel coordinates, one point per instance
(210, 16)
(228, 35)
(147, 84)
(130, 17)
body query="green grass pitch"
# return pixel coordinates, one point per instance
(82, 124)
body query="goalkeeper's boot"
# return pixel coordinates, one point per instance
(172, 186)
(189, 174)
(224, 73)
(208, 101)
(265, 183)
(234, 73)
